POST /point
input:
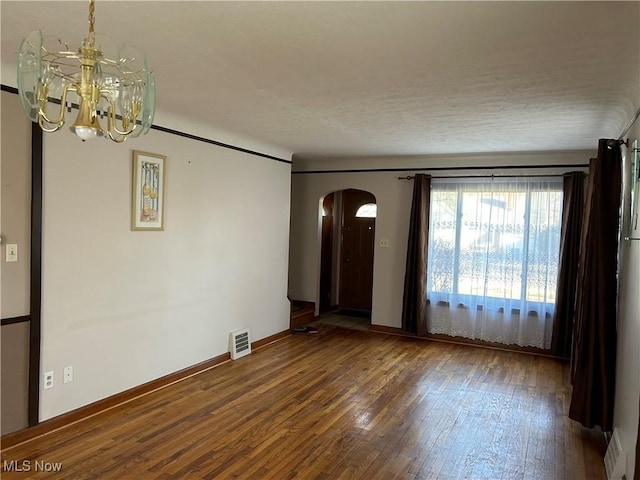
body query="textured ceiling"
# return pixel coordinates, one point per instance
(339, 79)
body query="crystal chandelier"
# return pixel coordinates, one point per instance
(108, 83)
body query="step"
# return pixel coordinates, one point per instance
(302, 313)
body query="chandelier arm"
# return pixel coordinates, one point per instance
(112, 123)
(125, 132)
(63, 100)
(120, 139)
(45, 129)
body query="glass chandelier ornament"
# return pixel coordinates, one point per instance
(101, 81)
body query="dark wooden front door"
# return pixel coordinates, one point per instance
(358, 234)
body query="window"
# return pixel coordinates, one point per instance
(493, 258)
(368, 210)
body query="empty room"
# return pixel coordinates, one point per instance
(320, 240)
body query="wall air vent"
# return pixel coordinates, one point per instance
(239, 343)
(615, 458)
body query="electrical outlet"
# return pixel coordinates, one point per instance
(68, 374)
(48, 380)
(384, 242)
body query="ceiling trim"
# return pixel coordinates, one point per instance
(10, 89)
(219, 144)
(439, 169)
(7, 88)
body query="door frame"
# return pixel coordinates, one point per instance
(35, 286)
(327, 253)
(337, 245)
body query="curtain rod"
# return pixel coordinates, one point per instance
(628, 127)
(411, 177)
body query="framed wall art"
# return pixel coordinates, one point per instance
(148, 198)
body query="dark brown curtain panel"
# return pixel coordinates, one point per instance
(593, 362)
(414, 302)
(572, 212)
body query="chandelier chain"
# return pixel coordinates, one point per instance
(91, 17)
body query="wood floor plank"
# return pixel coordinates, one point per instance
(337, 405)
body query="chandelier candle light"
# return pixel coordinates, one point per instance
(110, 82)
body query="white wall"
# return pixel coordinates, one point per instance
(125, 307)
(390, 223)
(16, 206)
(393, 197)
(15, 228)
(627, 397)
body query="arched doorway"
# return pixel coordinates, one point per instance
(346, 260)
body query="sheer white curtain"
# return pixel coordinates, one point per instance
(493, 258)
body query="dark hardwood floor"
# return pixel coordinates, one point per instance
(338, 404)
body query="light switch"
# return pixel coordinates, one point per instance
(384, 242)
(68, 374)
(11, 252)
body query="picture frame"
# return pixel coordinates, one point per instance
(148, 191)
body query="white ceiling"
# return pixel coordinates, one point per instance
(339, 79)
